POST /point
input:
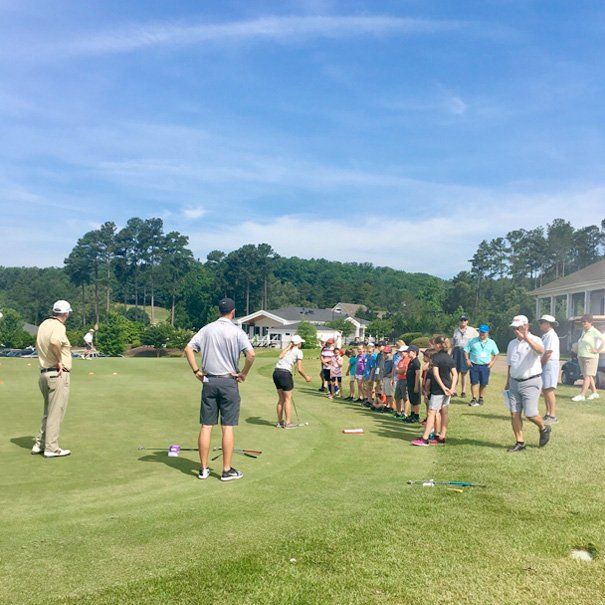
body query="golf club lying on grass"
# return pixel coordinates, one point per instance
(433, 483)
(249, 453)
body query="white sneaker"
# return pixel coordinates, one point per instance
(579, 398)
(36, 449)
(57, 453)
(203, 473)
(593, 396)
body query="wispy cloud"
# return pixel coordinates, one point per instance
(278, 28)
(194, 212)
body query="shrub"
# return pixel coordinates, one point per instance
(407, 337)
(12, 334)
(76, 337)
(308, 332)
(421, 341)
(116, 333)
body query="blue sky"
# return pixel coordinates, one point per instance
(400, 133)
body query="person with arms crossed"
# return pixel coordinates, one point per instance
(524, 381)
(590, 346)
(54, 355)
(220, 344)
(443, 385)
(462, 336)
(480, 354)
(283, 379)
(550, 367)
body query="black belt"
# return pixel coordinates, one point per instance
(220, 376)
(528, 378)
(44, 370)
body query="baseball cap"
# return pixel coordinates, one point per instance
(62, 306)
(296, 339)
(463, 318)
(330, 341)
(403, 348)
(226, 306)
(414, 348)
(549, 318)
(387, 349)
(483, 328)
(518, 321)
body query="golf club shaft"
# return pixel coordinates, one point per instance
(455, 483)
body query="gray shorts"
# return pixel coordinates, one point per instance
(550, 375)
(436, 402)
(401, 390)
(220, 395)
(524, 396)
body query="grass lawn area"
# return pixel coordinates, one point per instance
(160, 313)
(320, 517)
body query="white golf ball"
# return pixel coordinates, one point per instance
(581, 555)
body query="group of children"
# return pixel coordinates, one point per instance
(395, 380)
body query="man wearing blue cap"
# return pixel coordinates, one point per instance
(480, 355)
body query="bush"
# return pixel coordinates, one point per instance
(308, 332)
(76, 337)
(180, 338)
(407, 337)
(116, 333)
(421, 341)
(163, 336)
(12, 334)
(135, 314)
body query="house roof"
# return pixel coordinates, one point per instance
(589, 278)
(307, 314)
(350, 308)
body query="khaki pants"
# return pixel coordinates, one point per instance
(55, 390)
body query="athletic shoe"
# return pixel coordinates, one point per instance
(280, 425)
(518, 447)
(480, 401)
(455, 394)
(37, 449)
(437, 441)
(579, 398)
(432, 436)
(359, 400)
(473, 403)
(550, 420)
(545, 435)
(321, 389)
(593, 396)
(463, 394)
(203, 473)
(231, 475)
(57, 453)
(420, 442)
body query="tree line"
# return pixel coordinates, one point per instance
(141, 266)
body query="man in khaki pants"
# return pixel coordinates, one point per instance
(54, 353)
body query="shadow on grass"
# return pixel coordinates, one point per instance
(187, 467)
(260, 421)
(489, 416)
(25, 442)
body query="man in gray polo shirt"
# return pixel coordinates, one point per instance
(220, 344)
(524, 381)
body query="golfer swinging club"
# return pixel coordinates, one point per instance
(284, 380)
(220, 344)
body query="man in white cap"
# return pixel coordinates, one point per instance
(88, 343)
(524, 381)
(54, 355)
(550, 366)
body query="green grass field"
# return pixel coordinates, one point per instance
(319, 518)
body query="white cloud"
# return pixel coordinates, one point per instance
(194, 212)
(439, 244)
(456, 105)
(283, 29)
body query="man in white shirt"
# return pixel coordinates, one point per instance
(88, 343)
(550, 366)
(524, 381)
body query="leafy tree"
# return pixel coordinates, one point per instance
(135, 314)
(342, 325)
(175, 262)
(308, 332)
(12, 334)
(158, 336)
(380, 328)
(116, 333)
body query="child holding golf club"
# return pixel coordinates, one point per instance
(443, 385)
(283, 379)
(336, 374)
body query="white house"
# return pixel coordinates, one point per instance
(275, 328)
